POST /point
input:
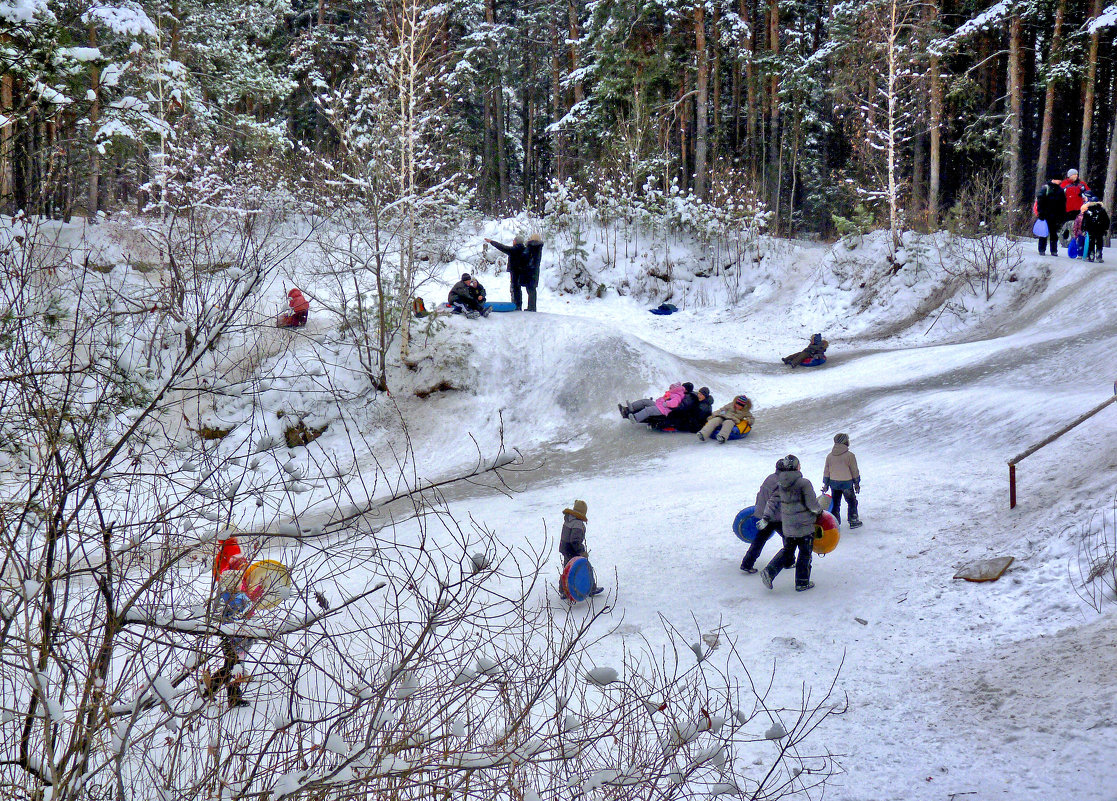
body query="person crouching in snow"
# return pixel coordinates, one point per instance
(815, 348)
(468, 297)
(799, 510)
(842, 476)
(572, 540)
(296, 316)
(723, 422)
(643, 410)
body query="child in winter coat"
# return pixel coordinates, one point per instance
(724, 420)
(1095, 224)
(775, 524)
(641, 410)
(297, 315)
(691, 414)
(229, 604)
(799, 510)
(841, 474)
(815, 348)
(572, 540)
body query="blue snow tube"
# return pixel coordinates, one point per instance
(815, 362)
(735, 434)
(744, 524)
(577, 580)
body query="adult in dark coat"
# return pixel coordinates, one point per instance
(519, 264)
(531, 274)
(1051, 207)
(799, 510)
(693, 412)
(468, 296)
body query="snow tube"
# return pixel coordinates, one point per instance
(826, 502)
(1040, 229)
(501, 306)
(1072, 248)
(267, 583)
(740, 432)
(664, 308)
(815, 362)
(826, 533)
(744, 524)
(577, 580)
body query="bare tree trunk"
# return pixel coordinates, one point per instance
(893, 184)
(94, 117)
(558, 108)
(774, 99)
(752, 110)
(1049, 98)
(700, 101)
(575, 35)
(7, 131)
(1088, 101)
(715, 44)
(936, 136)
(1111, 167)
(1013, 182)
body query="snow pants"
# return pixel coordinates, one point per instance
(758, 543)
(518, 298)
(718, 426)
(786, 558)
(223, 676)
(1043, 241)
(844, 489)
(641, 410)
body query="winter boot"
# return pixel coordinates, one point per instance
(486, 311)
(747, 569)
(597, 591)
(472, 314)
(766, 577)
(623, 410)
(804, 587)
(721, 438)
(701, 437)
(855, 522)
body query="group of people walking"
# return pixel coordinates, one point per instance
(1068, 209)
(787, 504)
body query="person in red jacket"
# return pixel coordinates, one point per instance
(1074, 189)
(296, 316)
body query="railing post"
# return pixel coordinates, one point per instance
(1011, 485)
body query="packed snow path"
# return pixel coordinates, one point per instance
(1003, 690)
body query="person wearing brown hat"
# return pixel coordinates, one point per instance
(572, 540)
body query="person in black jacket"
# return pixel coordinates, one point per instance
(531, 274)
(519, 262)
(468, 297)
(1051, 207)
(1095, 222)
(692, 413)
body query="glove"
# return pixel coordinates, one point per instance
(762, 524)
(825, 487)
(856, 487)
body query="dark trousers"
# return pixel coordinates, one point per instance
(758, 543)
(839, 490)
(1054, 244)
(786, 558)
(1096, 243)
(223, 676)
(518, 298)
(568, 552)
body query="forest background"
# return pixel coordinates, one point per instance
(818, 113)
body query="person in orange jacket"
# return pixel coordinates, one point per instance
(1075, 191)
(297, 315)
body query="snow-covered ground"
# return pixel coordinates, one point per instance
(1002, 690)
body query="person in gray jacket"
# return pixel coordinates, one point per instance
(775, 525)
(799, 509)
(572, 540)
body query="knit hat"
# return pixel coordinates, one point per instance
(841, 439)
(742, 400)
(517, 239)
(789, 462)
(579, 510)
(689, 387)
(467, 277)
(1072, 173)
(704, 391)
